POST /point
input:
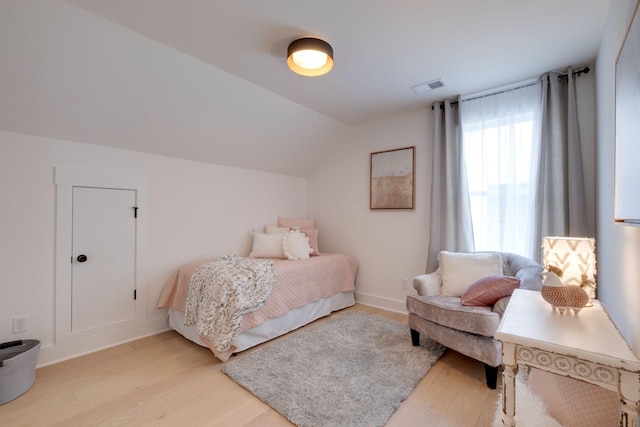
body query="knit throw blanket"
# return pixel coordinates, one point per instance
(221, 293)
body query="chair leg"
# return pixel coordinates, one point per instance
(415, 338)
(491, 372)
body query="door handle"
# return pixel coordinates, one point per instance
(81, 258)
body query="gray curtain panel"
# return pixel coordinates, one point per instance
(563, 200)
(560, 190)
(450, 227)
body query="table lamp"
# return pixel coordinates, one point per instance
(575, 257)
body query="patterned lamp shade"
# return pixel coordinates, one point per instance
(575, 257)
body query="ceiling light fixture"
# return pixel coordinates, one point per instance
(310, 57)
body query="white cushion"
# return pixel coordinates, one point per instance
(460, 270)
(267, 246)
(295, 245)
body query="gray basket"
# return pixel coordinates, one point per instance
(17, 368)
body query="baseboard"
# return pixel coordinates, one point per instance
(49, 354)
(52, 353)
(381, 302)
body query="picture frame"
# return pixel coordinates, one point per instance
(392, 179)
(627, 126)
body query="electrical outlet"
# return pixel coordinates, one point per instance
(405, 284)
(20, 324)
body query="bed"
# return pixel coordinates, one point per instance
(304, 290)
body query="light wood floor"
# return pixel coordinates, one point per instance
(166, 380)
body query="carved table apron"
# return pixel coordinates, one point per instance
(585, 346)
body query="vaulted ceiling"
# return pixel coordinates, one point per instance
(207, 79)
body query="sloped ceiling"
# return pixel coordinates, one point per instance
(207, 80)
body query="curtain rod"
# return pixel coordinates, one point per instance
(584, 70)
(561, 76)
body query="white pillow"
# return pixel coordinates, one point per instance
(295, 245)
(276, 230)
(267, 246)
(460, 270)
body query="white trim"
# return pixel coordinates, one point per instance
(381, 302)
(65, 343)
(115, 344)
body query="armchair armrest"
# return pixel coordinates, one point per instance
(428, 284)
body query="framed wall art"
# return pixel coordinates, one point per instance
(627, 137)
(392, 180)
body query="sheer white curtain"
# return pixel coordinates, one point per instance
(501, 145)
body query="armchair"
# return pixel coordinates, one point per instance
(467, 329)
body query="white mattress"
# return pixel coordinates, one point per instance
(272, 328)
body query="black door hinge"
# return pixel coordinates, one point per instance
(135, 212)
(135, 293)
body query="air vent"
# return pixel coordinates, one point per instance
(433, 84)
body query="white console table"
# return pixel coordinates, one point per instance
(586, 346)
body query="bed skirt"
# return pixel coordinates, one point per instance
(271, 328)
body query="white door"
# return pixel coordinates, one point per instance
(103, 257)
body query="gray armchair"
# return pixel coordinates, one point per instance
(466, 329)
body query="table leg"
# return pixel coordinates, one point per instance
(523, 371)
(628, 396)
(509, 395)
(628, 413)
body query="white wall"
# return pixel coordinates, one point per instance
(196, 211)
(618, 246)
(199, 210)
(70, 74)
(388, 245)
(392, 245)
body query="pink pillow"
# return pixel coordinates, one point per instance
(486, 291)
(313, 240)
(300, 223)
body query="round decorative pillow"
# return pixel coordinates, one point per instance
(295, 245)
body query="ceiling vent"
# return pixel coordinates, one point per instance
(433, 84)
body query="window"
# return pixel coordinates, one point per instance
(501, 144)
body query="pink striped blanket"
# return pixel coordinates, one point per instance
(298, 283)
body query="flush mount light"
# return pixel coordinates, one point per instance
(310, 57)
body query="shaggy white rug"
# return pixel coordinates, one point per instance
(530, 410)
(353, 369)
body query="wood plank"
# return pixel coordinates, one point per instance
(166, 380)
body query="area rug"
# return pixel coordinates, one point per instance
(530, 410)
(352, 369)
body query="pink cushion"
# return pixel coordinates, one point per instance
(313, 240)
(300, 223)
(486, 291)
